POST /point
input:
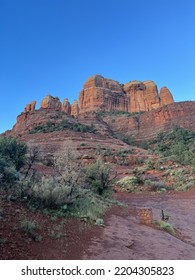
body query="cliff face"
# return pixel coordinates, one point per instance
(165, 96)
(146, 126)
(99, 93)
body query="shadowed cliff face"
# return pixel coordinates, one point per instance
(99, 93)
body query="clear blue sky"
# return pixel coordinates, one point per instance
(53, 46)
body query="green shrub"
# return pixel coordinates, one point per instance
(64, 124)
(7, 172)
(28, 226)
(49, 194)
(151, 163)
(124, 152)
(183, 184)
(98, 176)
(12, 158)
(138, 172)
(157, 185)
(178, 146)
(88, 206)
(166, 227)
(68, 166)
(128, 184)
(13, 151)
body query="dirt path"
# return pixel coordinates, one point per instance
(124, 238)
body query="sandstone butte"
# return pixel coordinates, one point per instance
(99, 94)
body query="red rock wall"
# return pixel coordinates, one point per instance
(102, 94)
(148, 125)
(105, 94)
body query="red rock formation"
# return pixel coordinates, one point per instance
(50, 102)
(142, 96)
(148, 125)
(105, 94)
(30, 107)
(66, 107)
(165, 96)
(75, 108)
(102, 94)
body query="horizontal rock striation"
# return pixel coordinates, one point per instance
(146, 126)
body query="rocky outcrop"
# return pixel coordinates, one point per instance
(146, 126)
(30, 107)
(66, 107)
(50, 102)
(75, 109)
(142, 96)
(100, 93)
(166, 96)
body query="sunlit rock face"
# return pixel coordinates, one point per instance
(99, 93)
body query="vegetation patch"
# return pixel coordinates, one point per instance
(12, 159)
(177, 146)
(63, 125)
(163, 225)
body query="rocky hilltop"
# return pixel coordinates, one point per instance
(135, 109)
(100, 93)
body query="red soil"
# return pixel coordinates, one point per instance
(123, 237)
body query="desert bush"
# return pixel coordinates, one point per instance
(150, 163)
(138, 172)
(178, 146)
(88, 206)
(68, 166)
(157, 185)
(98, 176)
(140, 160)
(7, 172)
(124, 152)
(13, 151)
(183, 184)
(12, 158)
(48, 193)
(166, 227)
(128, 184)
(64, 124)
(28, 226)
(108, 152)
(144, 145)
(83, 144)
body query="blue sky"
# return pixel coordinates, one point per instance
(53, 46)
